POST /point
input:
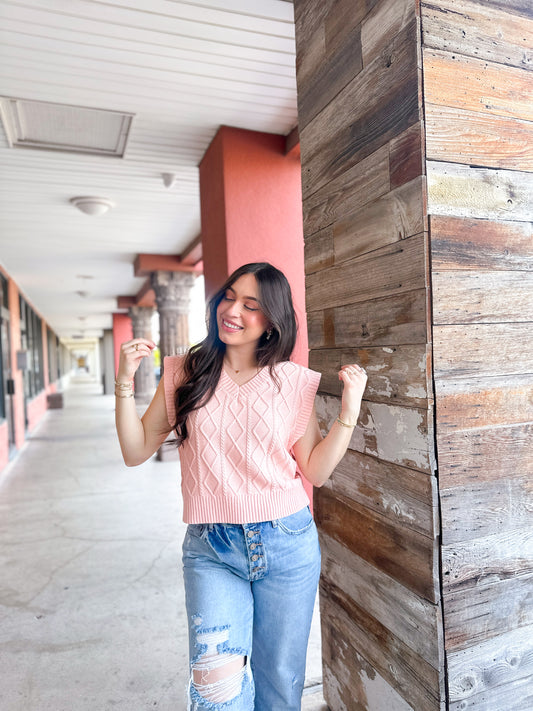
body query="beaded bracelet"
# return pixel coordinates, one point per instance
(345, 424)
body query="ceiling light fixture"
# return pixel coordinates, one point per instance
(92, 205)
(169, 179)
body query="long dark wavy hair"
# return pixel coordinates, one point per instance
(203, 362)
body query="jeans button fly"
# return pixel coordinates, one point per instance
(255, 557)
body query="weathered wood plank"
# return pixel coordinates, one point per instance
(328, 58)
(483, 508)
(486, 667)
(379, 104)
(486, 559)
(392, 217)
(483, 402)
(400, 435)
(350, 683)
(482, 349)
(318, 250)
(395, 373)
(392, 269)
(380, 27)
(478, 30)
(389, 321)
(486, 454)
(362, 183)
(414, 620)
(522, 7)
(482, 297)
(475, 85)
(405, 555)
(461, 136)
(406, 496)
(490, 610)
(411, 676)
(407, 161)
(516, 695)
(461, 243)
(479, 192)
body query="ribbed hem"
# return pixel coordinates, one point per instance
(251, 509)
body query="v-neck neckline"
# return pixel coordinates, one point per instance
(252, 380)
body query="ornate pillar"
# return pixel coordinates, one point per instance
(141, 321)
(173, 298)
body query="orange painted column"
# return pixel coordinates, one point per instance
(122, 331)
(251, 207)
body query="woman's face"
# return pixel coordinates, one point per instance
(239, 317)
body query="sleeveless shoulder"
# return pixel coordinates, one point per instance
(172, 372)
(299, 386)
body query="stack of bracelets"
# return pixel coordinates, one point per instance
(124, 389)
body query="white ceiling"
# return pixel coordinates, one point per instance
(183, 69)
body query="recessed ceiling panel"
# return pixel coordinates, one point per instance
(60, 127)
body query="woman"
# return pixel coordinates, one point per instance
(246, 427)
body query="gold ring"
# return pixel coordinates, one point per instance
(136, 346)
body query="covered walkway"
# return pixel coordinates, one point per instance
(91, 599)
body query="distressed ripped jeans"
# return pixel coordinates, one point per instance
(250, 591)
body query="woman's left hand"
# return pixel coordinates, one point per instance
(354, 380)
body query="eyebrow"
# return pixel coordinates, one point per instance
(248, 298)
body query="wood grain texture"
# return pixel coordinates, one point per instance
(485, 454)
(479, 192)
(392, 269)
(392, 217)
(392, 320)
(379, 104)
(482, 349)
(491, 609)
(462, 243)
(406, 496)
(471, 84)
(383, 24)
(498, 556)
(520, 7)
(498, 662)
(484, 508)
(395, 373)
(467, 297)
(329, 55)
(516, 695)
(405, 555)
(350, 682)
(414, 620)
(412, 677)
(407, 157)
(478, 30)
(401, 435)
(461, 136)
(483, 402)
(362, 183)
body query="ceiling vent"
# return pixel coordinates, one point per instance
(59, 127)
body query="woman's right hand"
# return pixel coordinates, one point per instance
(131, 354)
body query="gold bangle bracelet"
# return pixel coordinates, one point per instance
(124, 386)
(345, 424)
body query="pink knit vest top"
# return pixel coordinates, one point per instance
(236, 463)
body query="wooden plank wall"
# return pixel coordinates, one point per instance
(478, 92)
(367, 276)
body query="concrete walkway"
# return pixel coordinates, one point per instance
(91, 597)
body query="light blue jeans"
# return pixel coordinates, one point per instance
(250, 591)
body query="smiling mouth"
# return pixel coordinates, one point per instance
(231, 325)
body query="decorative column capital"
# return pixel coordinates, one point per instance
(172, 290)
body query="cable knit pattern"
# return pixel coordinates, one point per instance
(236, 463)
